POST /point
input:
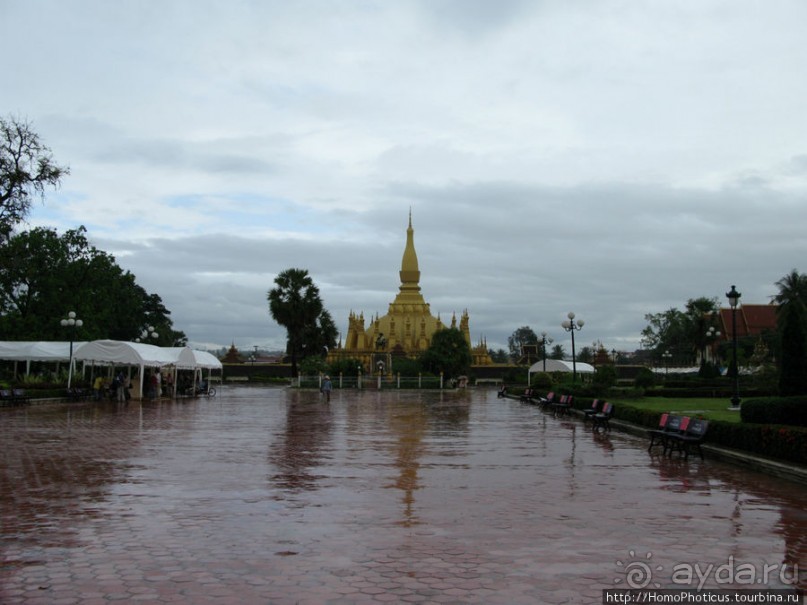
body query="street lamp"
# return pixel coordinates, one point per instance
(570, 325)
(147, 332)
(712, 334)
(666, 355)
(544, 342)
(734, 298)
(71, 322)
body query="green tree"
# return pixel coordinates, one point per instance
(319, 337)
(557, 352)
(347, 366)
(665, 331)
(683, 333)
(605, 378)
(585, 355)
(523, 336)
(498, 356)
(295, 304)
(700, 315)
(48, 274)
(26, 169)
(448, 353)
(406, 366)
(792, 323)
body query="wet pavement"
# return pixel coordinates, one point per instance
(268, 495)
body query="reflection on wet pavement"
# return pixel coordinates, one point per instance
(270, 495)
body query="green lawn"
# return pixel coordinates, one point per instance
(709, 408)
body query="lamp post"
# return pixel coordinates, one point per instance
(712, 334)
(71, 322)
(734, 370)
(544, 342)
(666, 355)
(570, 325)
(147, 332)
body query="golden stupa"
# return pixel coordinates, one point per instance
(408, 326)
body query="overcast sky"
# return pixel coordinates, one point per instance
(611, 158)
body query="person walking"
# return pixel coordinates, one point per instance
(326, 388)
(120, 387)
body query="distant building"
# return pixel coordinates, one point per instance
(407, 328)
(752, 320)
(232, 356)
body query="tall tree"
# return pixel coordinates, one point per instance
(525, 335)
(295, 304)
(319, 337)
(700, 315)
(448, 353)
(26, 169)
(792, 324)
(683, 333)
(665, 331)
(557, 352)
(498, 356)
(47, 274)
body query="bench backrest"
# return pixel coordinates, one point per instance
(697, 428)
(595, 404)
(608, 409)
(684, 424)
(673, 423)
(663, 420)
(550, 396)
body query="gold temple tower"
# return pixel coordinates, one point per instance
(408, 326)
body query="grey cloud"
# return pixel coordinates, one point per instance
(182, 155)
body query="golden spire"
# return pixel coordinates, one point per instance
(410, 274)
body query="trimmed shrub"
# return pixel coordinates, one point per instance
(605, 377)
(645, 378)
(541, 380)
(772, 441)
(787, 443)
(790, 411)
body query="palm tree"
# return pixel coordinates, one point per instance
(294, 303)
(792, 290)
(792, 324)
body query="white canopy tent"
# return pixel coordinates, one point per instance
(117, 352)
(28, 351)
(559, 365)
(111, 353)
(192, 359)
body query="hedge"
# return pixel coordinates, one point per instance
(772, 440)
(775, 410)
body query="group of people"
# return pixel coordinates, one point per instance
(116, 388)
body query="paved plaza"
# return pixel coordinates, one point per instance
(271, 495)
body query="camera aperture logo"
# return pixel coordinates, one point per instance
(638, 574)
(641, 573)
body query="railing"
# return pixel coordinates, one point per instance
(362, 381)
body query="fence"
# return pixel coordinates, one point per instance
(375, 382)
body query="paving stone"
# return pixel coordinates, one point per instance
(267, 495)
